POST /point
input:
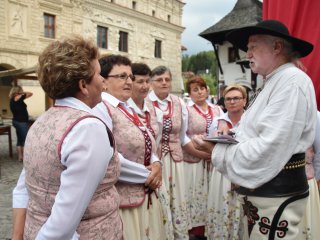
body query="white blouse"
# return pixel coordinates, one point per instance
(163, 104)
(316, 145)
(86, 166)
(281, 122)
(129, 172)
(138, 172)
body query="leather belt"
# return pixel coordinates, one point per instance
(290, 181)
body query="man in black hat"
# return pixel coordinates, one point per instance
(267, 165)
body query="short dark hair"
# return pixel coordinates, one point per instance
(107, 62)
(140, 69)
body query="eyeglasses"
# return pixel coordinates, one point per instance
(235, 99)
(123, 76)
(142, 81)
(160, 80)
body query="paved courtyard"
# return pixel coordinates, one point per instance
(10, 169)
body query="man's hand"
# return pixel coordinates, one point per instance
(155, 178)
(202, 145)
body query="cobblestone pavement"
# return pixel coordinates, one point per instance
(10, 169)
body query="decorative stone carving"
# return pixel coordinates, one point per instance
(157, 34)
(89, 27)
(76, 3)
(17, 20)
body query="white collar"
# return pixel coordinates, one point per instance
(153, 97)
(73, 103)
(133, 105)
(112, 100)
(283, 66)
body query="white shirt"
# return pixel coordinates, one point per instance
(159, 115)
(130, 172)
(163, 104)
(101, 111)
(316, 145)
(139, 170)
(215, 123)
(280, 123)
(86, 166)
(140, 112)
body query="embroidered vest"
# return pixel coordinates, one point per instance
(101, 219)
(198, 124)
(170, 142)
(135, 146)
(153, 119)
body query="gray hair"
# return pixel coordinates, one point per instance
(288, 50)
(159, 71)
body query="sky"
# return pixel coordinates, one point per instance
(198, 15)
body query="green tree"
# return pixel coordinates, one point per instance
(204, 64)
(185, 62)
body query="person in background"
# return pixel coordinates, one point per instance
(309, 225)
(140, 90)
(173, 119)
(197, 165)
(268, 162)
(236, 102)
(220, 101)
(224, 209)
(316, 146)
(308, 228)
(70, 177)
(20, 118)
(247, 86)
(140, 208)
(146, 114)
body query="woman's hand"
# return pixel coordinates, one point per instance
(202, 145)
(154, 180)
(223, 128)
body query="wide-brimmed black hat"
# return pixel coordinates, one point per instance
(239, 37)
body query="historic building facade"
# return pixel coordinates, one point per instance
(145, 31)
(232, 64)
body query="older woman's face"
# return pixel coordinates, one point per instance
(116, 85)
(234, 101)
(161, 84)
(198, 93)
(95, 87)
(140, 86)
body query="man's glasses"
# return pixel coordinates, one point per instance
(123, 76)
(235, 99)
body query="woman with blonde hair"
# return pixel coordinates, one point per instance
(20, 116)
(224, 210)
(70, 166)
